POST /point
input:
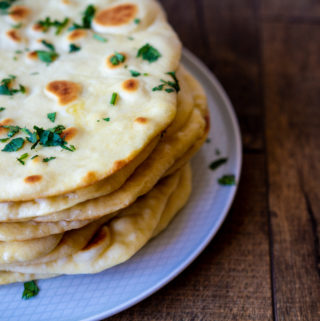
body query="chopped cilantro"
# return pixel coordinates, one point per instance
(12, 130)
(35, 156)
(106, 119)
(130, 38)
(86, 19)
(46, 24)
(52, 117)
(217, 163)
(5, 87)
(49, 45)
(3, 140)
(149, 53)
(117, 58)
(5, 5)
(17, 26)
(208, 140)
(48, 159)
(137, 21)
(227, 180)
(2, 108)
(100, 38)
(30, 290)
(113, 99)
(135, 73)
(47, 56)
(218, 151)
(22, 158)
(173, 85)
(14, 145)
(18, 52)
(74, 48)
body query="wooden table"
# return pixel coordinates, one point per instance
(264, 263)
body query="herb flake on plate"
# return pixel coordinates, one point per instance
(217, 163)
(227, 180)
(30, 290)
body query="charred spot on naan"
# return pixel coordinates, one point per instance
(116, 16)
(37, 27)
(19, 13)
(13, 35)
(69, 133)
(33, 179)
(64, 91)
(207, 120)
(32, 55)
(5, 122)
(77, 34)
(90, 178)
(130, 85)
(100, 237)
(141, 120)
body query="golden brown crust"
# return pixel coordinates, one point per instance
(19, 13)
(141, 120)
(111, 66)
(5, 122)
(69, 133)
(33, 179)
(130, 85)
(13, 34)
(77, 34)
(65, 91)
(116, 16)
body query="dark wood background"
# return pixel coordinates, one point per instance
(264, 264)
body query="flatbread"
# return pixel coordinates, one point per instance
(78, 86)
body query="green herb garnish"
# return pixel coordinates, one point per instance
(218, 151)
(106, 119)
(35, 156)
(3, 140)
(17, 26)
(169, 86)
(137, 21)
(14, 145)
(100, 38)
(227, 180)
(5, 87)
(113, 99)
(47, 56)
(49, 45)
(22, 158)
(46, 24)
(48, 159)
(217, 163)
(117, 58)
(5, 5)
(208, 140)
(74, 48)
(135, 73)
(86, 19)
(149, 53)
(30, 290)
(2, 109)
(12, 130)
(52, 117)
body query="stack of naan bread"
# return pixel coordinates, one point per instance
(129, 118)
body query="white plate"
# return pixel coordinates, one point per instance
(93, 297)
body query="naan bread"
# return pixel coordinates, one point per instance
(119, 239)
(78, 86)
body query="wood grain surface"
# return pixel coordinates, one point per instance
(264, 263)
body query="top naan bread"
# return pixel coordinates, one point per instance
(78, 87)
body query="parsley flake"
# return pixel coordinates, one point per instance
(100, 38)
(169, 86)
(47, 56)
(5, 5)
(227, 180)
(14, 145)
(86, 19)
(35, 156)
(46, 24)
(135, 73)
(30, 290)
(217, 163)
(5, 87)
(3, 140)
(117, 58)
(74, 48)
(137, 21)
(2, 109)
(149, 53)
(22, 158)
(12, 130)
(17, 26)
(113, 99)
(52, 117)
(106, 119)
(48, 159)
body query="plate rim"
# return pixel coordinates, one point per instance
(203, 69)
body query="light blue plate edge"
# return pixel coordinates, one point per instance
(204, 75)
